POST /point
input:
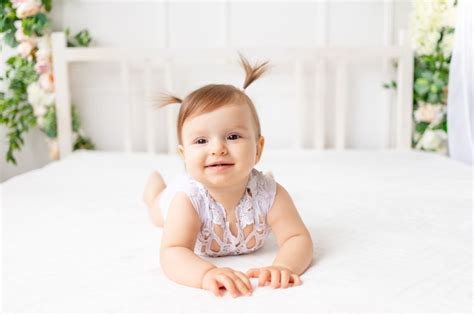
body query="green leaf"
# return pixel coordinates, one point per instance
(49, 122)
(428, 75)
(421, 86)
(83, 143)
(47, 4)
(433, 98)
(76, 124)
(421, 127)
(10, 39)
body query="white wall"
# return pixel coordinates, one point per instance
(96, 88)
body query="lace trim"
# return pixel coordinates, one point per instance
(251, 209)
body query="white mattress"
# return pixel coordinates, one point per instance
(391, 231)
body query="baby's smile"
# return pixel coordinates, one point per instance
(219, 167)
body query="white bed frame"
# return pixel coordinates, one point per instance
(293, 57)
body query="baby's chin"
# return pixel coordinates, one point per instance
(222, 180)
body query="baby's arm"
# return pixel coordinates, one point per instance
(182, 265)
(294, 241)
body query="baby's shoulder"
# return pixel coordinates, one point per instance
(263, 188)
(192, 189)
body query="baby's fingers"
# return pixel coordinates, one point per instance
(285, 279)
(253, 273)
(296, 280)
(275, 278)
(228, 284)
(214, 288)
(244, 279)
(262, 275)
(241, 286)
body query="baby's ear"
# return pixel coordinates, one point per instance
(260, 145)
(181, 151)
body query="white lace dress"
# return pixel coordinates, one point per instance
(215, 237)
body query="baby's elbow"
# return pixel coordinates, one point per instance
(310, 249)
(165, 261)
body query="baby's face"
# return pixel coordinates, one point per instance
(220, 148)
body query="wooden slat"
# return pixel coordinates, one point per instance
(275, 53)
(320, 77)
(171, 113)
(283, 56)
(149, 111)
(300, 105)
(340, 91)
(63, 98)
(125, 83)
(387, 94)
(319, 104)
(404, 95)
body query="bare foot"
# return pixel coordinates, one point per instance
(154, 186)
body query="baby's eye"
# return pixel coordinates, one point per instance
(200, 141)
(234, 137)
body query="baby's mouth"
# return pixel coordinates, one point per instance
(219, 165)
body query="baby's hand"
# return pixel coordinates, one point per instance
(234, 281)
(279, 277)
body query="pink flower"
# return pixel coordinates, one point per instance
(17, 3)
(430, 113)
(43, 66)
(25, 48)
(27, 8)
(46, 81)
(19, 35)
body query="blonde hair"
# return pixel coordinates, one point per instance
(213, 96)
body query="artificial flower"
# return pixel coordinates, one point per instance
(43, 66)
(27, 8)
(430, 113)
(39, 98)
(435, 140)
(46, 81)
(25, 48)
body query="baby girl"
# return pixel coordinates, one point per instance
(222, 205)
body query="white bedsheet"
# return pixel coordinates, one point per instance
(392, 233)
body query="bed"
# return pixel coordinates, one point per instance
(391, 227)
(391, 231)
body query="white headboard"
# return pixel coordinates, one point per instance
(294, 59)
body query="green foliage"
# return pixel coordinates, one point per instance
(81, 39)
(47, 4)
(49, 122)
(16, 113)
(21, 73)
(35, 25)
(50, 128)
(391, 85)
(83, 143)
(431, 79)
(7, 19)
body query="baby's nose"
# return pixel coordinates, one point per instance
(218, 148)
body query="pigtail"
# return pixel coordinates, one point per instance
(164, 99)
(252, 73)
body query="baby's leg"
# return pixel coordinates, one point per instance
(154, 186)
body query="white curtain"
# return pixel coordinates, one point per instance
(461, 87)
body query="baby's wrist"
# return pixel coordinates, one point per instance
(205, 273)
